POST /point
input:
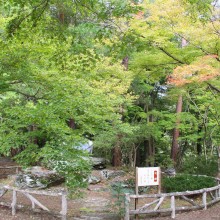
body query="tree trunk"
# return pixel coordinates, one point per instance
(117, 154)
(33, 139)
(176, 132)
(149, 148)
(72, 124)
(61, 14)
(199, 142)
(218, 162)
(137, 158)
(149, 152)
(61, 17)
(125, 63)
(117, 157)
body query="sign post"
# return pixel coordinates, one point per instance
(147, 176)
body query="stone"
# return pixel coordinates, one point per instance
(37, 177)
(170, 172)
(98, 162)
(93, 179)
(108, 174)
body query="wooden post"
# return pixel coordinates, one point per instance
(159, 186)
(218, 190)
(14, 201)
(127, 203)
(172, 206)
(136, 181)
(32, 204)
(204, 196)
(33, 200)
(136, 191)
(64, 206)
(216, 193)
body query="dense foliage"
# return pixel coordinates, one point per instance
(182, 183)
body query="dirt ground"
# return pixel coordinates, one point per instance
(96, 204)
(213, 213)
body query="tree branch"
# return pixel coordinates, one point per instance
(199, 47)
(213, 87)
(170, 55)
(44, 4)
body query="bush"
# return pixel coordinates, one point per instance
(200, 165)
(184, 182)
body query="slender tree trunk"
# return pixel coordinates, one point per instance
(117, 154)
(137, 158)
(218, 162)
(72, 124)
(33, 139)
(125, 63)
(149, 148)
(176, 132)
(149, 152)
(117, 157)
(199, 142)
(61, 17)
(61, 14)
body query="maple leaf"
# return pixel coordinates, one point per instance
(205, 68)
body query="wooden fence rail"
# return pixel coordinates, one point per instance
(34, 202)
(209, 197)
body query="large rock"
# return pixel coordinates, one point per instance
(98, 162)
(37, 177)
(170, 172)
(110, 174)
(93, 179)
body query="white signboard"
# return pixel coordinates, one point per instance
(148, 176)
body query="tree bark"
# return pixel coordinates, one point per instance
(137, 158)
(125, 63)
(117, 157)
(72, 124)
(176, 132)
(117, 154)
(219, 162)
(199, 142)
(34, 140)
(149, 148)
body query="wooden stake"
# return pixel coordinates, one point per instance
(173, 207)
(218, 189)
(127, 203)
(14, 201)
(159, 186)
(159, 203)
(35, 201)
(64, 206)
(136, 191)
(204, 196)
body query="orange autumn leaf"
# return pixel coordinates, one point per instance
(204, 69)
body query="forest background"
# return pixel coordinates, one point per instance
(139, 78)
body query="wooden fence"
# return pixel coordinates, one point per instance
(158, 205)
(29, 194)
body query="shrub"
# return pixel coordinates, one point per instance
(200, 165)
(184, 182)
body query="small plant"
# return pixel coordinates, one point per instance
(184, 182)
(118, 191)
